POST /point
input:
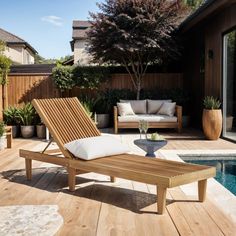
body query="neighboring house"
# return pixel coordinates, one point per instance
(210, 59)
(18, 50)
(78, 43)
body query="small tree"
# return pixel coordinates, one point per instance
(63, 77)
(90, 77)
(135, 33)
(5, 64)
(194, 4)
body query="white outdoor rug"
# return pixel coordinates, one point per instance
(33, 220)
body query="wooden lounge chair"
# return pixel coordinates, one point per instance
(67, 120)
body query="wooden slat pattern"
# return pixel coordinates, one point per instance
(26, 87)
(158, 172)
(66, 119)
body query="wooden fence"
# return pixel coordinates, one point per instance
(25, 87)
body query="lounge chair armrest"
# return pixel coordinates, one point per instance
(178, 112)
(115, 119)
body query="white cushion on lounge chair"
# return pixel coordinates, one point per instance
(95, 147)
(147, 117)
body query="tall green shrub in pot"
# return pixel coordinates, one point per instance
(102, 110)
(11, 118)
(27, 118)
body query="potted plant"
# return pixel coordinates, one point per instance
(212, 118)
(182, 98)
(27, 115)
(11, 118)
(2, 135)
(40, 127)
(102, 108)
(88, 104)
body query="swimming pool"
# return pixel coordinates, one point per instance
(225, 169)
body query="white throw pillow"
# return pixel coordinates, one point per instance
(154, 106)
(138, 106)
(95, 147)
(167, 108)
(125, 109)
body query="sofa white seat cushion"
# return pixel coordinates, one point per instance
(147, 117)
(96, 147)
(138, 106)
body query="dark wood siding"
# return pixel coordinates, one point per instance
(210, 31)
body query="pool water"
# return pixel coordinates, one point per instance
(225, 171)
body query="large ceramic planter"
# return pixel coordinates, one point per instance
(27, 131)
(41, 131)
(103, 120)
(212, 123)
(15, 131)
(185, 121)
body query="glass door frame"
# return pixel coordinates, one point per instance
(224, 82)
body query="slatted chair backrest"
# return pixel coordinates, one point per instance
(66, 120)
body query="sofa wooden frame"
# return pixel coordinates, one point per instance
(134, 125)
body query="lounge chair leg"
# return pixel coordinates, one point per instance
(202, 184)
(28, 168)
(113, 179)
(161, 200)
(71, 178)
(9, 140)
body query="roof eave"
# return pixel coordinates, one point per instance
(204, 11)
(23, 43)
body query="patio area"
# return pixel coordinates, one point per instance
(99, 207)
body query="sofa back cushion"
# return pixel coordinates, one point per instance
(138, 106)
(125, 109)
(153, 106)
(167, 108)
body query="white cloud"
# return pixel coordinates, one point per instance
(54, 20)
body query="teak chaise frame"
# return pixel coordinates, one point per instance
(67, 120)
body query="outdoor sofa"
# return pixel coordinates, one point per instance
(149, 110)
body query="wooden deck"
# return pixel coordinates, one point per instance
(99, 207)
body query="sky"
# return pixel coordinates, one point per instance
(45, 24)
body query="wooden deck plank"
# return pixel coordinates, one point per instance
(195, 215)
(104, 208)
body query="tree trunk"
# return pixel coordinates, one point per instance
(138, 90)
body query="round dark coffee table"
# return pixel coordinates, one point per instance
(150, 146)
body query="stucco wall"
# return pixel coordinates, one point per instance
(80, 54)
(19, 55)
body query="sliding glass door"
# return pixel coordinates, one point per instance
(229, 85)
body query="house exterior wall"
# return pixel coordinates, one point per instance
(206, 79)
(81, 56)
(19, 54)
(214, 31)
